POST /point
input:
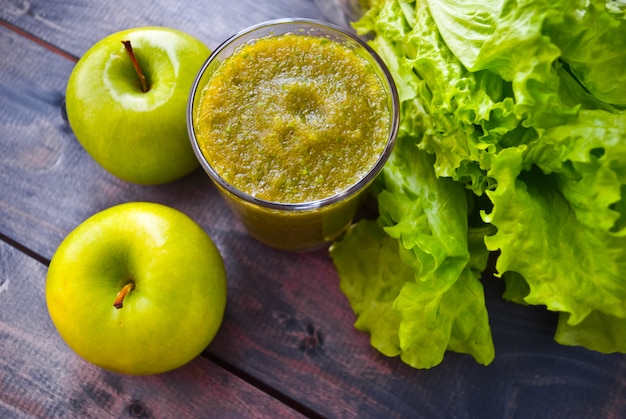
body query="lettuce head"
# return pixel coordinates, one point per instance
(512, 143)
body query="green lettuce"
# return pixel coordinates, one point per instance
(512, 142)
(410, 276)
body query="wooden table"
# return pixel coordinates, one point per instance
(287, 347)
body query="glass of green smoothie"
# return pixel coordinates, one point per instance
(293, 119)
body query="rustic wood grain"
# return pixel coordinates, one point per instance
(74, 25)
(41, 377)
(287, 329)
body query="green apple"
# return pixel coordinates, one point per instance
(138, 288)
(138, 136)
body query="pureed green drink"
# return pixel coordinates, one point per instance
(292, 126)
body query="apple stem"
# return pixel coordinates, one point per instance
(133, 58)
(119, 298)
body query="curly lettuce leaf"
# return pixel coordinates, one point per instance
(460, 116)
(568, 267)
(412, 283)
(508, 39)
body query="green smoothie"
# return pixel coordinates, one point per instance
(293, 119)
(292, 127)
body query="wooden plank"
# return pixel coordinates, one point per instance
(73, 26)
(41, 377)
(287, 325)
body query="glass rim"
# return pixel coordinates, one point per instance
(351, 190)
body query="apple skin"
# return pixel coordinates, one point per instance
(176, 306)
(139, 137)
